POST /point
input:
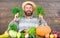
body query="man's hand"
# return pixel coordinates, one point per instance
(16, 16)
(40, 17)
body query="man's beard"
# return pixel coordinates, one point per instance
(28, 13)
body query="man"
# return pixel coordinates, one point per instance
(28, 20)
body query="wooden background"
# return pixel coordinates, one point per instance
(51, 7)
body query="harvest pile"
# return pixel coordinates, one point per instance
(32, 32)
(38, 32)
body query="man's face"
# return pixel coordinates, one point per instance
(28, 10)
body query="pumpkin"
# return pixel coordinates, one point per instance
(43, 30)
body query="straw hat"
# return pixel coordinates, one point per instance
(28, 2)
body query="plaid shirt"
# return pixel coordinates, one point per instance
(24, 23)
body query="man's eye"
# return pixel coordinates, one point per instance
(26, 7)
(30, 8)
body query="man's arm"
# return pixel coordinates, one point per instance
(42, 21)
(15, 21)
(13, 24)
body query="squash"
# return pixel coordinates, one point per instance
(43, 30)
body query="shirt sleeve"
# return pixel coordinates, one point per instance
(43, 22)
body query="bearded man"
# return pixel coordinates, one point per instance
(28, 20)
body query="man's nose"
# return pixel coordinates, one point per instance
(28, 9)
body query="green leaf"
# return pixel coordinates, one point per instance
(32, 36)
(39, 10)
(38, 37)
(15, 10)
(21, 12)
(13, 27)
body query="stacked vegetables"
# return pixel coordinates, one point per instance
(31, 32)
(40, 31)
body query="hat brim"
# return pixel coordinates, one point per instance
(34, 5)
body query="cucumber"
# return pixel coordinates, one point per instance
(31, 30)
(22, 35)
